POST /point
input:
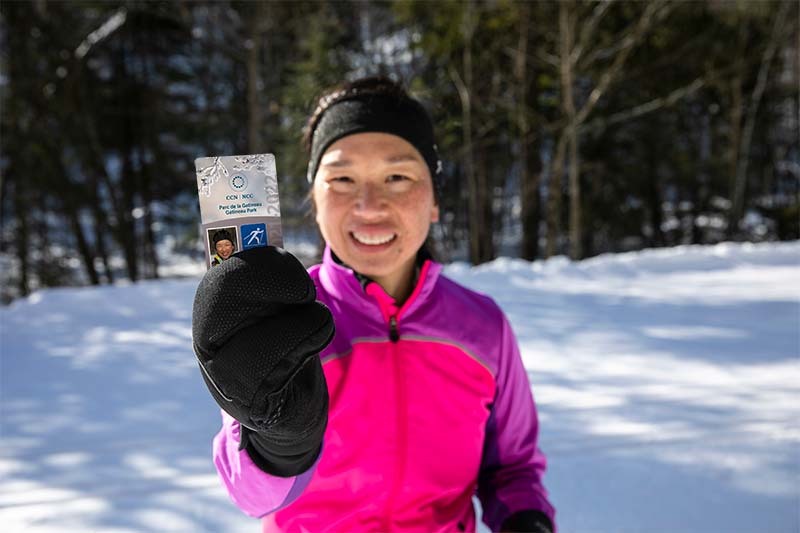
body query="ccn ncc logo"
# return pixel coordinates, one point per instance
(238, 182)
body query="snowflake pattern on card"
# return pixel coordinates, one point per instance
(208, 176)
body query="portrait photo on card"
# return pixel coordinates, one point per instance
(221, 244)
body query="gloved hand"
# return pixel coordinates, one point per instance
(528, 522)
(257, 332)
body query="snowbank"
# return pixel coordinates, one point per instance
(668, 383)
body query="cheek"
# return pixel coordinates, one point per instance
(319, 209)
(329, 216)
(419, 210)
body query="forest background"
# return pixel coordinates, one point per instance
(573, 128)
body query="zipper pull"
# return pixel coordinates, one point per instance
(394, 336)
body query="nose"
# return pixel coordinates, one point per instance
(371, 201)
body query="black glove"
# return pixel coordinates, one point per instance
(527, 522)
(257, 332)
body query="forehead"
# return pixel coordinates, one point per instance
(363, 147)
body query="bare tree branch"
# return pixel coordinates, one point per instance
(603, 53)
(112, 24)
(588, 29)
(654, 12)
(647, 107)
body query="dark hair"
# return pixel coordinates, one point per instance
(373, 85)
(222, 235)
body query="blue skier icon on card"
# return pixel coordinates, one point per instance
(254, 235)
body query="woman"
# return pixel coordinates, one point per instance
(223, 247)
(418, 402)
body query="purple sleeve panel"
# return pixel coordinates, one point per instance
(510, 478)
(254, 491)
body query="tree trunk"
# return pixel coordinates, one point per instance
(653, 193)
(735, 128)
(575, 233)
(531, 172)
(83, 245)
(126, 224)
(125, 227)
(70, 208)
(554, 198)
(529, 159)
(148, 140)
(44, 265)
(101, 228)
(703, 177)
(92, 157)
(21, 237)
(254, 121)
(150, 252)
(566, 28)
(15, 41)
(567, 139)
(738, 193)
(475, 183)
(695, 236)
(482, 235)
(469, 161)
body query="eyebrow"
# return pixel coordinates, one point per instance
(400, 158)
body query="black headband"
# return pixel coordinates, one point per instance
(382, 113)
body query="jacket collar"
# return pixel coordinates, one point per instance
(342, 282)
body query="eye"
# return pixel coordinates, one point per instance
(394, 178)
(341, 184)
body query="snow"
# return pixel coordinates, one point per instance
(668, 386)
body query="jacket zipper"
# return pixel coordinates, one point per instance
(400, 398)
(402, 423)
(399, 464)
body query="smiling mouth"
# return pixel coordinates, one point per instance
(373, 240)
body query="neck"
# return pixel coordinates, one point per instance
(399, 285)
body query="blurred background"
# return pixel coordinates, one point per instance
(566, 128)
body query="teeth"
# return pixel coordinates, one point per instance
(373, 239)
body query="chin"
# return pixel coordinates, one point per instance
(376, 263)
(371, 269)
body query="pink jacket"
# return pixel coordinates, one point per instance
(429, 404)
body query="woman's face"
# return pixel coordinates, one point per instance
(224, 248)
(374, 201)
